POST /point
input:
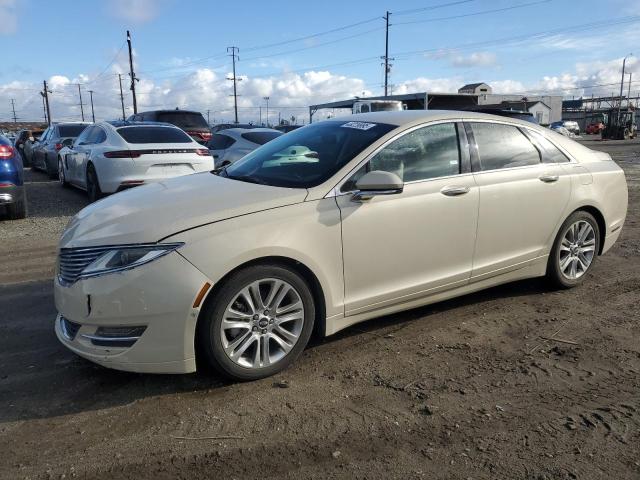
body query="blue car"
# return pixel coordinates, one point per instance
(12, 192)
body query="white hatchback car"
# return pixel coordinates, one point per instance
(324, 227)
(112, 156)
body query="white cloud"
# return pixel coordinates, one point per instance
(8, 17)
(476, 59)
(290, 93)
(135, 11)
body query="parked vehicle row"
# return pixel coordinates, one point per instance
(229, 145)
(109, 157)
(571, 126)
(324, 227)
(193, 123)
(44, 153)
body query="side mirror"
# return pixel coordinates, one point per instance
(377, 183)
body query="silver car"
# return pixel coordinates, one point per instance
(232, 144)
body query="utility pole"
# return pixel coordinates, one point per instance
(234, 54)
(260, 122)
(267, 113)
(81, 104)
(93, 115)
(45, 94)
(121, 96)
(133, 75)
(386, 53)
(208, 122)
(44, 108)
(13, 107)
(629, 91)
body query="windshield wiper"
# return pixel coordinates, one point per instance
(247, 178)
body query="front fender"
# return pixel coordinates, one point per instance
(307, 232)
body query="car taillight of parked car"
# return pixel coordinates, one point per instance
(203, 135)
(58, 146)
(122, 154)
(7, 152)
(203, 152)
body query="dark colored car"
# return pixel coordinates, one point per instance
(226, 126)
(12, 193)
(519, 114)
(287, 128)
(24, 144)
(191, 122)
(45, 153)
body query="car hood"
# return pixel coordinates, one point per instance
(152, 212)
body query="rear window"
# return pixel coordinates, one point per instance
(185, 120)
(153, 134)
(260, 137)
(71, 130)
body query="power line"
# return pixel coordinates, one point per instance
(95, 79)
(484, 12)
(432, 7)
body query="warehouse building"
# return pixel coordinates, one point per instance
(475, 96)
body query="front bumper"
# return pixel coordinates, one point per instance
(158, 296)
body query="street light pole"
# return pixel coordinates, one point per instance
(624, 61)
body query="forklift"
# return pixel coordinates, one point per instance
(621, 125)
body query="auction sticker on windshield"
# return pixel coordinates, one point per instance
(359, 125)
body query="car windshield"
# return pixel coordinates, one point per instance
(71, 130)
(153, 134)
(308, 156)
(260, 137)
(184, 119)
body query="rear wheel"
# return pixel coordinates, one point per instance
(93, 186)
(51, 170)
(574, 250)
(18, 209)
(61, 176)
(258, 323)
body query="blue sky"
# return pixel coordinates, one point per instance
(180, 49)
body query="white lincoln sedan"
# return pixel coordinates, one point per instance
(324, 227)
(112, 156)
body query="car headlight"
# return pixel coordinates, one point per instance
(126, 257)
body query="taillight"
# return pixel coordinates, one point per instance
(206, 136)
(58, 146)
(6, 151)
(122, 154)
(203, 152)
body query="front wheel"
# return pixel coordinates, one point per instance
(61, 175)
(93, 186)
(258, 323)
(574, 250)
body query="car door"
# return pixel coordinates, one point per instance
(75, 159)
(405, 246)
(37, 149)
(522, 199)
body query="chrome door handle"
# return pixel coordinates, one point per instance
(549, 178)
(454, 191)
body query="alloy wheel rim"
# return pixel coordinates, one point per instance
(577, 250)
(262, 323)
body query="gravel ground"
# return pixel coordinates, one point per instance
(464, 389)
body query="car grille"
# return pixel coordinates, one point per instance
(72, 261)
(69, 328)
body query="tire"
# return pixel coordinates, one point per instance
(566, 267)
(93, 185)
(216, 342)
(53, 174)
(18, 209)
(61, 176)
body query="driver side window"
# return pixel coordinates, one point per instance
(425, 153)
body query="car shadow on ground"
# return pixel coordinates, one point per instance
(39, 378)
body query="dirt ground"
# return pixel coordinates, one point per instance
(465, 389)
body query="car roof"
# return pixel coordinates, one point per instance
(127, 123)
(170, 111)
(405, 117)
(240, 131)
